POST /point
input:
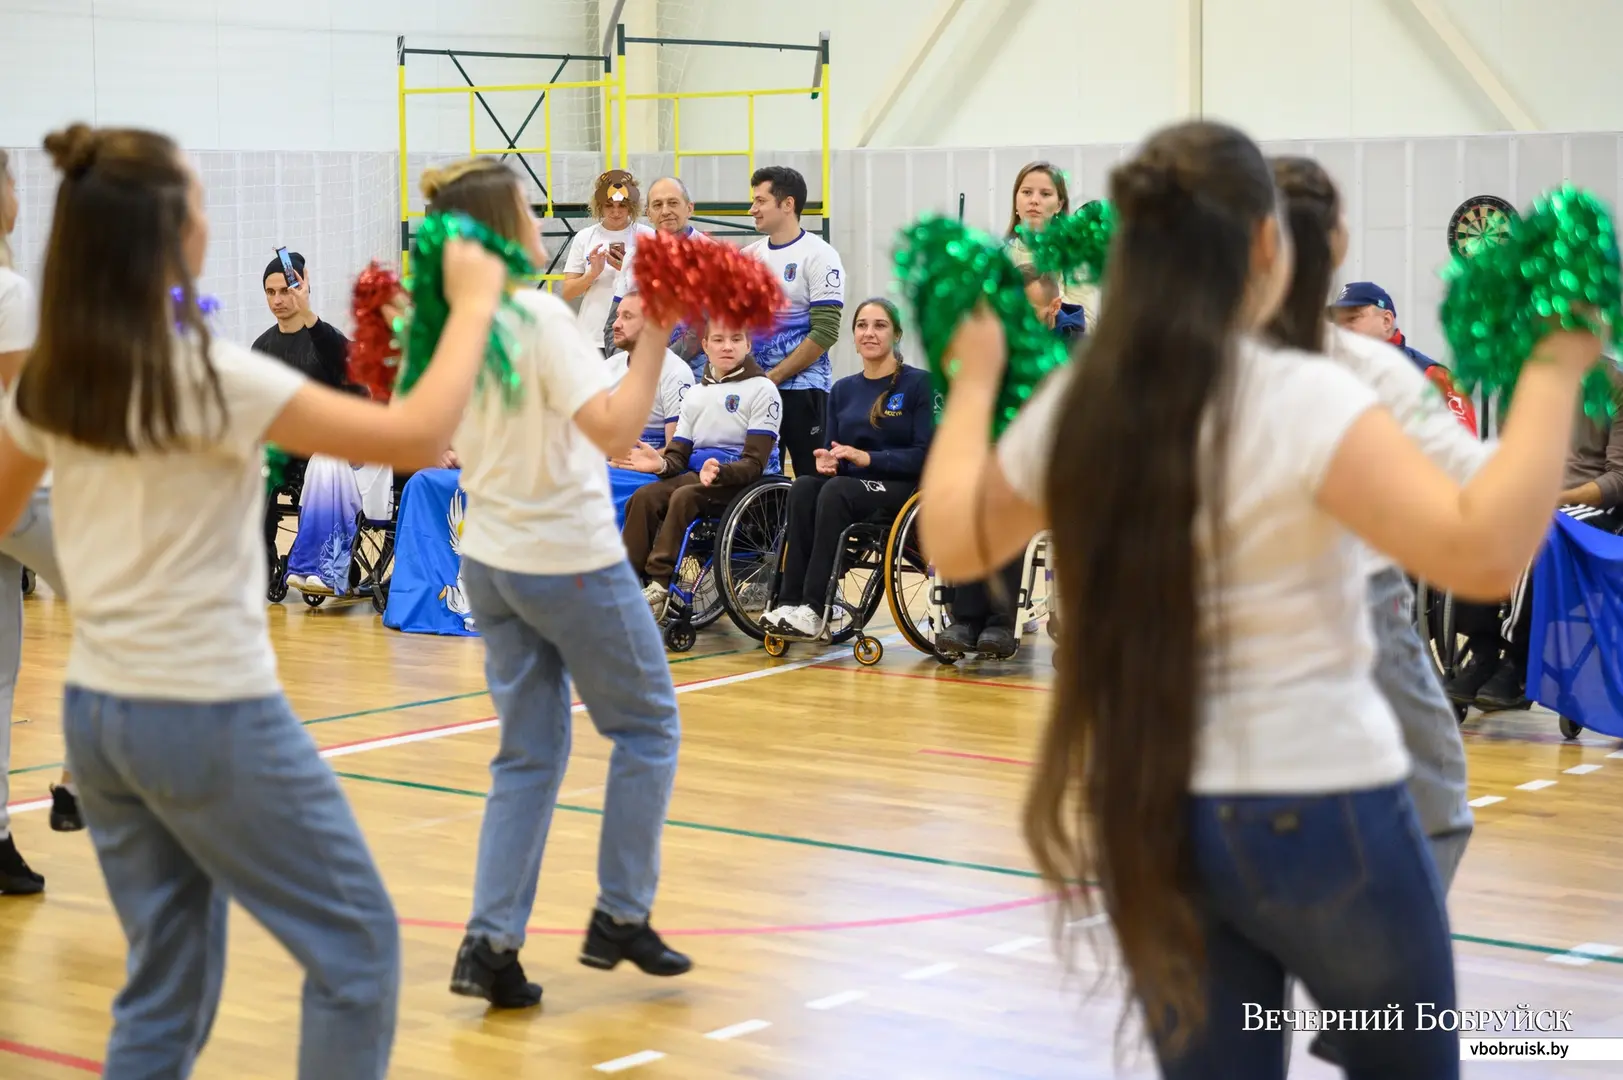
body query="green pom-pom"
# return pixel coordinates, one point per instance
(430, 309)
(1556, 269)
(944, 269)
(275, 468)
(1075, 246)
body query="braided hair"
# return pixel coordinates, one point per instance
(895, 317)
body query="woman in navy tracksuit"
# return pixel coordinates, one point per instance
(876, 433)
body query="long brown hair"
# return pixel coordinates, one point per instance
(1312, 209)
(1148, 412)
(107, 322)
(1059, 187)
(482, 188)
(895, 318)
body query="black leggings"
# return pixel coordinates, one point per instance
(820, 509)
(974, 606)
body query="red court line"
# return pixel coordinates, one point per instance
(798, 928)
(950, 679)
(39, 1053)
(978, 757)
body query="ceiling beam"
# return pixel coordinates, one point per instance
(907, 67)
(1487, 81)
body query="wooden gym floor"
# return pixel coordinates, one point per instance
(842, 862)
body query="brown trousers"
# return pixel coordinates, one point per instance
(658, 516)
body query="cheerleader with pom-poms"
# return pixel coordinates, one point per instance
(195, 779)
(1219, 756)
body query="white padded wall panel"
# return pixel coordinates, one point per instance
(1592, 163)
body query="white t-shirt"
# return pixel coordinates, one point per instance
(164, 553)
(625, 280)
(717, 416)
(810, 273)
(1293, 706)
(538, 489)
(599, 297)
(19, 321)
(674, 379)
(1416, 403)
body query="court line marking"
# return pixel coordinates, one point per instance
(834, 1001)
(630, 1061)
(979, 757)
(793, 928)
(441, 731)
(1585, 954)
(920, 974)
(952, 680)
(405, 706)
(734, 1031)
(53, 1057)
(1013, 945)
(1582, 770)
(1486, 800)
(1535, 785)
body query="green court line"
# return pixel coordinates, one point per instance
(907, 856)
(724, 830)
(403, 707)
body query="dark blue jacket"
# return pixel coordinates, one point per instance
(896, 448)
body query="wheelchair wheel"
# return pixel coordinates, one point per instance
(29, 582)
(1570, 729)
(868, 650)
(680, 636)
(910, 583)
(314, 600)
(775, 646)
(380, 596)
(749, 552)
(276, 592)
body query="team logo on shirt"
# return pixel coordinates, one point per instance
(773, 410)
(893, 404)
(833, 279)
(789, 271)
(937, 403)
(731, 403)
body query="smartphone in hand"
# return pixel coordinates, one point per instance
(617, 253)
(288, 273)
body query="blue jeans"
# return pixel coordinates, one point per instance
(1339, 891)
(189, 804)
(540, 631)
(31, 544)
(1407, 680)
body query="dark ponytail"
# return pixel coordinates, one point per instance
(895, 317)
(1109, 798)
(1313, 209)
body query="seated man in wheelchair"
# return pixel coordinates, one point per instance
(1494, 674)
(875, 436)
(726, 439)
(675, 379)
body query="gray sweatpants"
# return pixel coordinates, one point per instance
(31, 544)
(1407, 679)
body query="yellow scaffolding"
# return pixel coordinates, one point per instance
(613, 98)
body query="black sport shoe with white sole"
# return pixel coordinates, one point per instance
(609, 942)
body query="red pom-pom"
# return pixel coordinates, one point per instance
(687, 280)
(373, 355)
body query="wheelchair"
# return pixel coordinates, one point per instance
(1434, 618)
(372, 558)
(29, 582)
(918, 599)
(855, 587)
(717, 553)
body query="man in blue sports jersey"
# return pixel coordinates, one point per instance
(794, 354)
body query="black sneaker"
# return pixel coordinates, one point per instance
(997, 643)
(955, 640)
(1467, 683)
(65, 816)
(17, 878)
(498, 977)
(609, 942)
(1505, 690)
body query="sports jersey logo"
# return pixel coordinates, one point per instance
(732, 403)
(789, 271)
(773, 410)
(894, 404)
(833, 279)
(937, 403)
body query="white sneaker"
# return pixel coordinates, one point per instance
(657, 596)
(314, 584)
(294, 581)
(773, 619)
(802, 621)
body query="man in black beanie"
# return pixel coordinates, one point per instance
(299, 339)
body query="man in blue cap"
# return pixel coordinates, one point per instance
(1365, 308)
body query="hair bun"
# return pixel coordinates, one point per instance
(1146, 186)
(73, 150)
(433, 179)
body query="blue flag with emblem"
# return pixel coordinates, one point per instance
(1575, 648)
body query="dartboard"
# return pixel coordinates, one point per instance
(1479, 222)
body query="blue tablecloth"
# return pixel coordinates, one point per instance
(1575, 648)
(425, 592)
